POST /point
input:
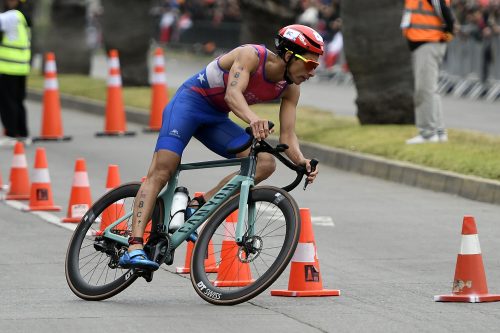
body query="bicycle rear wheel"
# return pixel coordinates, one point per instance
(92, 270)
(246, 270)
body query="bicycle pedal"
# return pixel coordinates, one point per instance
(147, 275)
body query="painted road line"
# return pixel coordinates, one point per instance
(47, 217)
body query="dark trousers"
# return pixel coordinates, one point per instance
(12, 110)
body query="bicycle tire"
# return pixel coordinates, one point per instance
(86, 267)
(270, 202)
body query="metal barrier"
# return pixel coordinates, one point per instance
(465, 72)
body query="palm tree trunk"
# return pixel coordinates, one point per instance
(261, 20)
(379, 60)
(127, 27)
(67, 36)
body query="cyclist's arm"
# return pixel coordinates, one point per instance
(288, 112)
(244, 64)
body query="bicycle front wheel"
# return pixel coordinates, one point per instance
(246, 269)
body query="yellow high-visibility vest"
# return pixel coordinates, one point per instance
(424, 24)
(15, 54)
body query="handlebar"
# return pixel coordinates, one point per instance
(261, 146)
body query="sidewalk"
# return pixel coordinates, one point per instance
(469, 187)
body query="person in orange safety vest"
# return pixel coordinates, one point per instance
(428, 25)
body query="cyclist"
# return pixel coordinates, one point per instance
(246, 75)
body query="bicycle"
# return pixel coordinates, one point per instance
(262, 242)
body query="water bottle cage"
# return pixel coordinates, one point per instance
(179, 211)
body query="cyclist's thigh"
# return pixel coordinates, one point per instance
(222, 134)
(181, 118)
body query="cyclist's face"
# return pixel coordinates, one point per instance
(302, 67)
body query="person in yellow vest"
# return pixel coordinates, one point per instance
(428, 25)
(15, 56)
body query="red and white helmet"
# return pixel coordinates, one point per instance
(299, 39)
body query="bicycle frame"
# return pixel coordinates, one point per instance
(242, 182)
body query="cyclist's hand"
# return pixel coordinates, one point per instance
(312, 175)
(260, 128)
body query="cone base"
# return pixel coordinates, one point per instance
(71, 219)
(43, 208)
(150, 130)
(187, 270)
(467, 298)
(305, 293)
(113, 133)
(52, 138)
(17, 197)
(239, 283)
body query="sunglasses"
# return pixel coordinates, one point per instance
(309, 64)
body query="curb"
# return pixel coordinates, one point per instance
(470, 187)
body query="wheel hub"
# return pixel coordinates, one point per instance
(250, 249)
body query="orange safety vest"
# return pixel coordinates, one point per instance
(425, 25)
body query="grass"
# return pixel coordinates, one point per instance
(468, 152)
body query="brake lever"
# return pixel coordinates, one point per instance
(314, 162)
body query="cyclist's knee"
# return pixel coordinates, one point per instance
(266, 166)
(163, 167)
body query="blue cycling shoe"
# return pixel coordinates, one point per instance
(137, 259)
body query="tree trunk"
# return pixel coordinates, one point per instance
(379, 60)
(127, 28)
(67, 36)
(261, 20)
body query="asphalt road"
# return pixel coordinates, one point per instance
(388, 247)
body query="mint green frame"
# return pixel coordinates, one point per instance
(242, 182)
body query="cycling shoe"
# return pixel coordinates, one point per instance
(137, 259)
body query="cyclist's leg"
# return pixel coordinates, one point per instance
(177, 129)
(223, 134)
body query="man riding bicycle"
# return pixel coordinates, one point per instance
(246, 75)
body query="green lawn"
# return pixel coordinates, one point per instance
(467, 152)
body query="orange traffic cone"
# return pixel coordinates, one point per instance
(210, 264)
(2, 185)
(232, 272)
(41, 191)
(305, 277)
(51, 121)
(159, 92)
(115, 124)
(80, 199)
(469, 284)
(19, 179)
(114, 211)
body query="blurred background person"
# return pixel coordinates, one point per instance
(15, 57)
(427, 25)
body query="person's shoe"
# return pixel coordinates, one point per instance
(137, 259)
(420, 139)
(443, 137)
(7, 142)
(27, 141)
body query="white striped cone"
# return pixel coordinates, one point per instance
(41, 191)
(115, 210)
(80, 199)
(19, 179)
(159, 92)
(115, 122)
(51, 127)
(305, 276)
(469, 284)
(232, 273)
